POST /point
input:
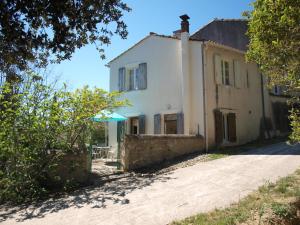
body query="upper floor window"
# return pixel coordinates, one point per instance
(225, 72)
(222, 70)
(133, 77)
(238, 76)
(228, 72)
(131, 82)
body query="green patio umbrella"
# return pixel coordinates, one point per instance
(106, 116)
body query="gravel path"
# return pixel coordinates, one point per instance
(161, 198)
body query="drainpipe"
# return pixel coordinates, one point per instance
(186, 87)
(204, 100)
(263, 107)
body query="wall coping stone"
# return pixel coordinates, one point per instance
(171, 136)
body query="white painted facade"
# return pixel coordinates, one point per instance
(196, 87)
(174, 83)
(181, 78)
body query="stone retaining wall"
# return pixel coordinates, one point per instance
(139, 151)
(71, 167)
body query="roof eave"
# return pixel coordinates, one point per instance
(215, 44)
(136, 44)
(108, 64)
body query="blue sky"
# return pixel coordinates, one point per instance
(159, 16)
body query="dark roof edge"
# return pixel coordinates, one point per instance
(203, 26)
(217, 19)
(216, 44)
(175, 38)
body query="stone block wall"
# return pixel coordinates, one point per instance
(139, 151)
(71, 167)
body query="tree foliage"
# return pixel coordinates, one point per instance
(98, 135)
(32, 31)
(38, 120)
(274, 31)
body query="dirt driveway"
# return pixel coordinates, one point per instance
(160, 199)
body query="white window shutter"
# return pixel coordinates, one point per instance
(218, 69)
(237, 73)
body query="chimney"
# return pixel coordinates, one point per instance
(185, 73)
(185, 26)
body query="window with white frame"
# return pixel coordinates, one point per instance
(225, 72)
(132, 76)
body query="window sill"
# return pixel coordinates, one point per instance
(232, 86)
(134, 90)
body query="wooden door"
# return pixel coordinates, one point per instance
(218, 127)
(231, 124)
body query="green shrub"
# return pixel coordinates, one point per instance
(282, 210)
(37, 119)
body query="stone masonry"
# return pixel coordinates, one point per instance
(139, 151)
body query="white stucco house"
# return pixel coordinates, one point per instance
(193, 84)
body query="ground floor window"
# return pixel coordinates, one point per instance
(134, 125)
(170, 122)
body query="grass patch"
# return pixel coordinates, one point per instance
(277, 203)
(214, 156)
(282, 210)
(284, 185)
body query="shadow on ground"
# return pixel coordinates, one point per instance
(104, 192)
(113, 189)
(277, 146)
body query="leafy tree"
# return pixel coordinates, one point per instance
(32, 31)
(36, 32)
(98, 133)
(36, 118)
(39, 120)
(274, 31)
